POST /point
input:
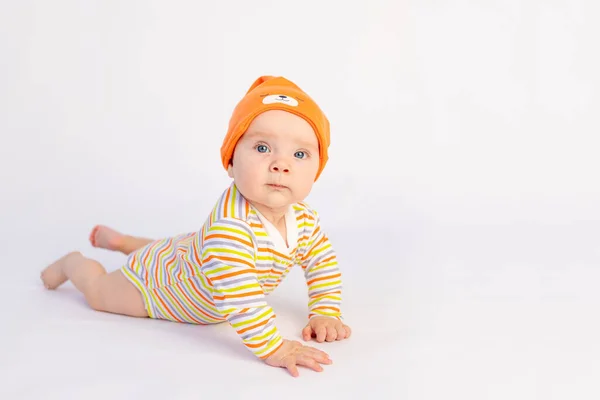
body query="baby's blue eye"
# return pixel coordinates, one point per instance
(300, 154)
(262, 148)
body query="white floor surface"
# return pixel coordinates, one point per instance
(479, 312)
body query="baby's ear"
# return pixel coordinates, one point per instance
(230, 170)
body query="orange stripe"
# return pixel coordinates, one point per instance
(168, 265)
(167, 308)
(144, 259)
(323, 278)
(180, 273)
(275, 274)
(237, 296)
(197, 290)
(280, 255)
(305, 216)
(176, 300)
(147, 254)
(196, 253)
(256, 345)
(253, 326)
(274, 350)
(308, 253)
(158, 256)
(318, 296)
(192, 302)
(216, 278)
(226, 202)
(156, 270)
(199, 293)
(326, 308)
(221, 236)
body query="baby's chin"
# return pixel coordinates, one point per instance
(277, 199)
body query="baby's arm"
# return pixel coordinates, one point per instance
(324, 281)
(228, 262)
(227, 259)
(323, 276)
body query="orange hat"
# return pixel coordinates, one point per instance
(275, 93)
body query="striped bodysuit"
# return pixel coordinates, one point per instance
(224, 271)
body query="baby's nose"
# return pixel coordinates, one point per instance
(280, 169)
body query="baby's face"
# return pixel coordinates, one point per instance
(276, 161)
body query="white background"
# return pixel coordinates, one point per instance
(462, 194)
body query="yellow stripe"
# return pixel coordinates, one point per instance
(229, 310)
(192, 310)
(306, 224)
(282, 261)
(229, 229)
(262, 337)
(312, 302)
(204, 304)
(217, 250)
(336, 282)
(209, 289)
(137, 283)
(171, 301)
(217, 270)
(272, 344)
(318, 251)
(327, 313)
(250, 321)
(323, 266)
(152, 258)
(240, 288)
(157, 302)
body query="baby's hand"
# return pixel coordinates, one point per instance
(293, 353)
(325, 328)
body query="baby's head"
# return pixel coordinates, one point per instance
(277, 143)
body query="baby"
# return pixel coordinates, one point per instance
(275, 149)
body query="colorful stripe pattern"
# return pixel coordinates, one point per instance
(223, 272)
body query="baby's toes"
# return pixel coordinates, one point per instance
(93, 236)
(52, 277)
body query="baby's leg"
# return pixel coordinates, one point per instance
(111, 293)
(106, 238)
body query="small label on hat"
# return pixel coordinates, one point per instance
(280, 98)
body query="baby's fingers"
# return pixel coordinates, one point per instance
(348, 331)
(290, 364)
(321, 332)
(341, 332)
(307, 361)
(331, 334)
(317, 354)
(306, 332)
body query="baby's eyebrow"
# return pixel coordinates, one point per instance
(308, 145)
(254, 135)
(258, 133)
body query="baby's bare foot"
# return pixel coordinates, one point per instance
(106, 238)
(53, 276)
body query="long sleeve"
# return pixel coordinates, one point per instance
(323, 277)
(228, 261)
